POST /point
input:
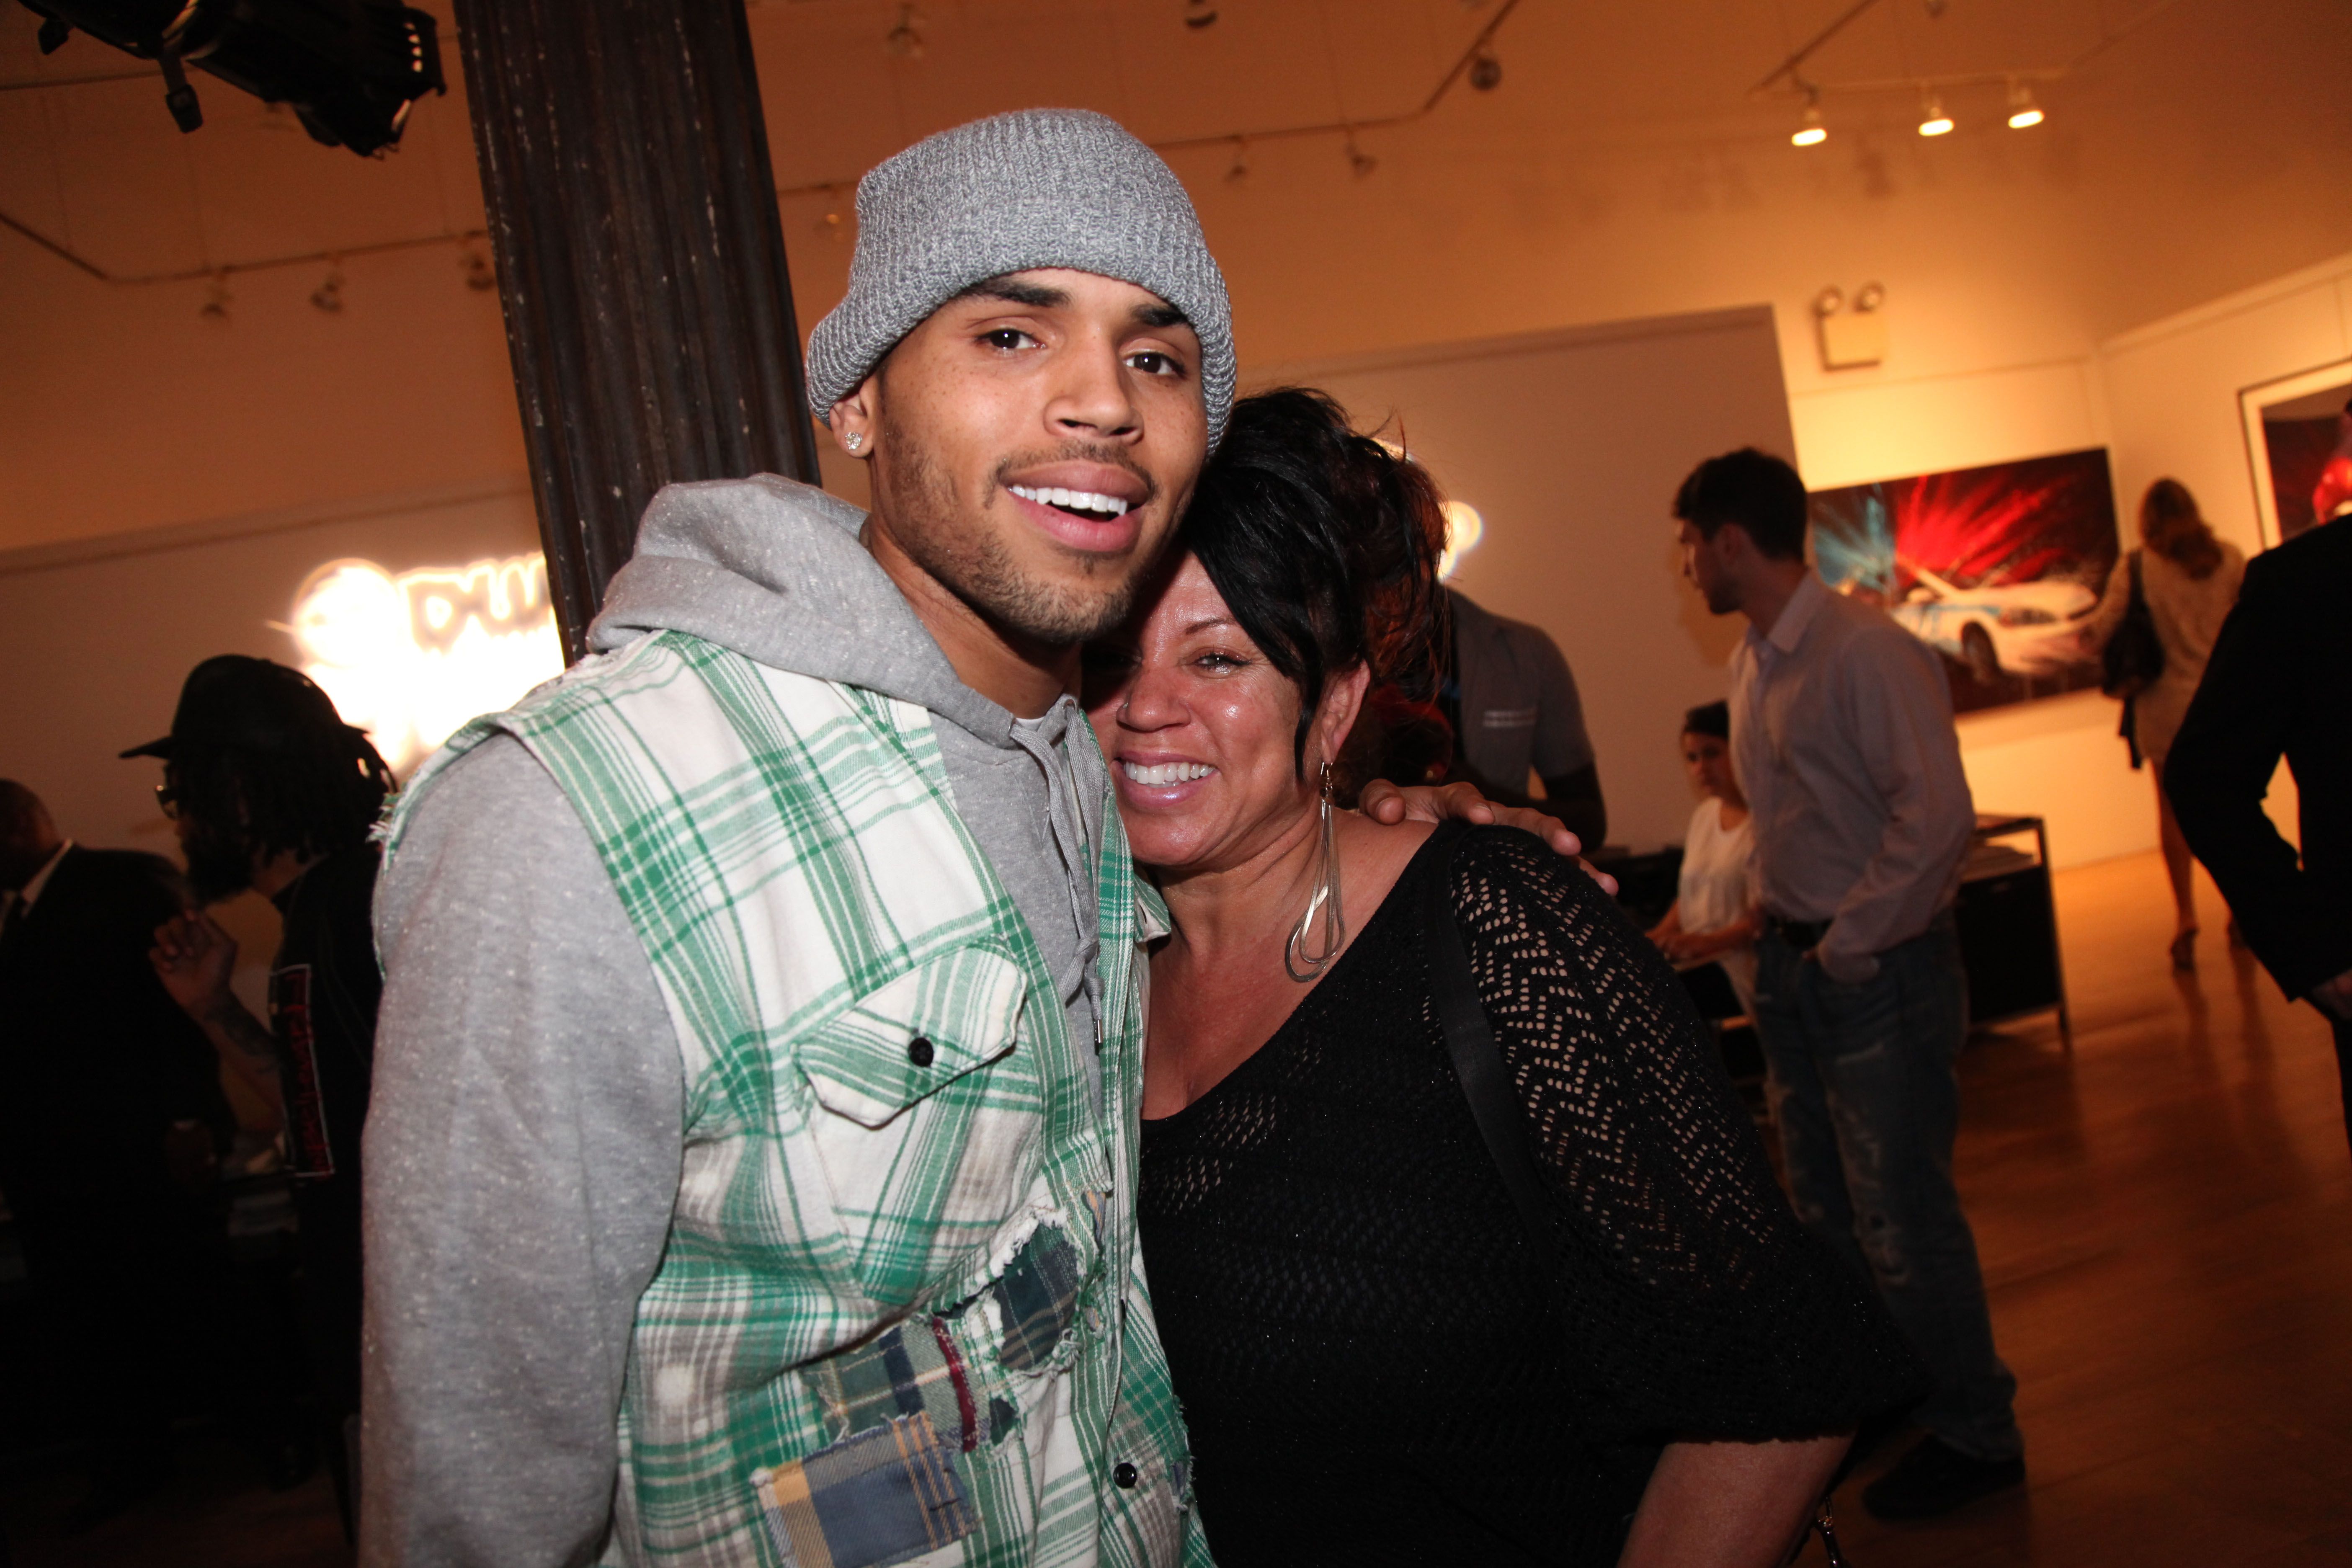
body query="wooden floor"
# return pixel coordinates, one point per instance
(2165, 1212)
(2165, 1215)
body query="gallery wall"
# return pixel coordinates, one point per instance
(1622, 171)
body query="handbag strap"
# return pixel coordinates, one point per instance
(1478, 1063)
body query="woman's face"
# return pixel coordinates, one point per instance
(1197, 727)
(1708, 761)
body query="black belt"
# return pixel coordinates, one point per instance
(1803, 935)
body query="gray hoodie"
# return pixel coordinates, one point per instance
(524, 1142)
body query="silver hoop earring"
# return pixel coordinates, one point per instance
(855, 440)
(1330, 929)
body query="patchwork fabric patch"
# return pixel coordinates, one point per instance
(1036, 1296)
(876, 1498)
(913, 1369)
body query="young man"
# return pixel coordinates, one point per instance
(1843, 740)
(270, 790)
(752, 1172)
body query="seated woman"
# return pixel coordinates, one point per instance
(1378, 1362)
(1715, 919)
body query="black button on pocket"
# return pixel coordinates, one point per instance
(919, 1051)
(1124, 1474)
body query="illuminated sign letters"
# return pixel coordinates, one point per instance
(411, 658)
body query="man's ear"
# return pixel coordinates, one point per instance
(857, 419)
(1343, 700)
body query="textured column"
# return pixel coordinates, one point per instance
(641, 264)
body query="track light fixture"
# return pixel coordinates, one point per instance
(216, 298)
(1486, 72)
(1810, 131)
(2023, 112)
(906, 39)
(1240, 170)
(1198, 14)
(1933, 120)
(475, 263)
(1359, 160)
(329, 296)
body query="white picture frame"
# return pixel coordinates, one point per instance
(2254, 402)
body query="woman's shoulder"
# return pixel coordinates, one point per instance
(1498, 868)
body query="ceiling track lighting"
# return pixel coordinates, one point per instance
(1810, 131)
(906, 39)
(217, 299)
(474, 261)
(1240, 170)
(328, 295)
(1198, 14)
(1361, 162)
(2023, 112)
(1933, 120)
(1485, 71)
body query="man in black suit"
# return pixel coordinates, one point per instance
(2280, 683)
(111, 1125)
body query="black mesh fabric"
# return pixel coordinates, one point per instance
(1372, 1365)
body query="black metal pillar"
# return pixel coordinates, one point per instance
(641, 263)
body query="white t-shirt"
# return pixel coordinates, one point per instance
(1718, 887)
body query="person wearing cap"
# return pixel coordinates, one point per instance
(752, 1162)
(270, 790)
(111, 1125)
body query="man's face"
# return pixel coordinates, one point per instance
(1706, 562)
(219, 865)
(1034, 443)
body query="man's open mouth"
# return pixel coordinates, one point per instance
(1086, 504)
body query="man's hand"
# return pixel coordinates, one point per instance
(2333, 997)
(194, 958)
(1392, 804)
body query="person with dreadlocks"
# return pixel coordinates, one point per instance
(270, 790)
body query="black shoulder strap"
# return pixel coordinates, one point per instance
(1478, 1063)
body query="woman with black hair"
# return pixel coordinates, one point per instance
(1405, 1328)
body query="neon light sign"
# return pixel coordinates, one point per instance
(411, 658)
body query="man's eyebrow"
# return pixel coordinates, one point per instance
(1161, 314)
(1037, 296)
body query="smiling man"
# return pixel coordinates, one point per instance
(751, 1176)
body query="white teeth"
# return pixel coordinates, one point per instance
(1075, 501)
(1167, 772)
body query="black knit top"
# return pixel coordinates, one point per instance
(1372, 1365)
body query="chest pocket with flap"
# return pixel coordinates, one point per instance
(908, 1039)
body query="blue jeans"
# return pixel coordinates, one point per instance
(1864, 1087)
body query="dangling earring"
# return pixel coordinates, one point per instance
(1332, 930)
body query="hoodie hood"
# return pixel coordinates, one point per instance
(773, 569)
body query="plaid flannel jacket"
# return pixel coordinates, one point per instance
(901, 1315)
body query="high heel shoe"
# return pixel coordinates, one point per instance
(2184, 951)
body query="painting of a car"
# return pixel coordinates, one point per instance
(1998, 569)
(2018, 628)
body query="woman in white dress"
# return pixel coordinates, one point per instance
(2189, 579)
(1715, 916)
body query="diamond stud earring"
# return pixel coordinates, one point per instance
(855, 440)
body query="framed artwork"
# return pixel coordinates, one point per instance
(2299, 445)
(1998, 568)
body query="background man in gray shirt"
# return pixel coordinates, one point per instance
(1514, 708)
(1841, 735)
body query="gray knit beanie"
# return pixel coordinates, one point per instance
(1042, 187)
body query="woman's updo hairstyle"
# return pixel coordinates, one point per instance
(1324, 545)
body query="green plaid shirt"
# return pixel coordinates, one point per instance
(901, 1314)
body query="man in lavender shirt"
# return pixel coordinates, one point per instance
(1841, 736)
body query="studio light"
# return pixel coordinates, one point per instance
(2023, 112)
(1811, 132)
(351, 72)
(1933, 120)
